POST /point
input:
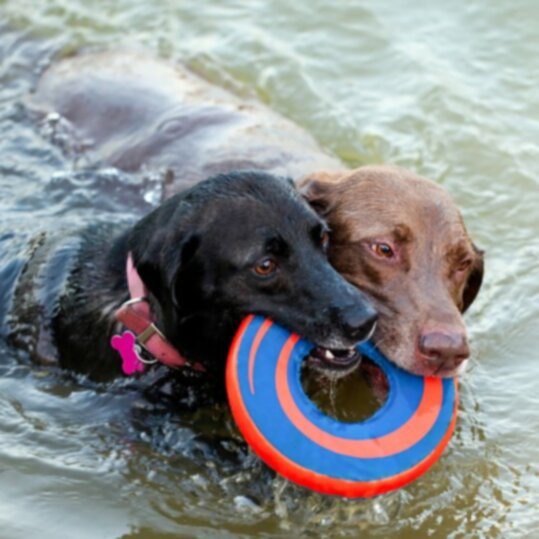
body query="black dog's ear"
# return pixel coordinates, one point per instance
(474, 280)
(179, 274)
(149, 264)
(162, 263)
(157, 243)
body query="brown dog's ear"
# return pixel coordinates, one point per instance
(474, 280)
(316, 189)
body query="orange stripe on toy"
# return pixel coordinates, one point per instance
(302, 475)
(252, 354)
(395, 442)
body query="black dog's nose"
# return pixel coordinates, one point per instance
(358, 322)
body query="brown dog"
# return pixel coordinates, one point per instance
(401, 239)
(398, 237)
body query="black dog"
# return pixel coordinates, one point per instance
(232, 245)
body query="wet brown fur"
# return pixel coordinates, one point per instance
(424, 288)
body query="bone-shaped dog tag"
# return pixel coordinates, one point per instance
(126, 346)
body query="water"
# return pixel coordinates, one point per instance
(447, 89)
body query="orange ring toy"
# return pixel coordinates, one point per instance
(395, 446)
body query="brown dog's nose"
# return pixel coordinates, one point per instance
(449, 349)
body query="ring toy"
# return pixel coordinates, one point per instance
(400, 442)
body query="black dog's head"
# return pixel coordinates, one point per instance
(245, 243)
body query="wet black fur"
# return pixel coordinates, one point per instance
(196, 254)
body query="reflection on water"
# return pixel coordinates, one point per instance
(448, 90)
(348, 397)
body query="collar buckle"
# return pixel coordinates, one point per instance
(135, 314)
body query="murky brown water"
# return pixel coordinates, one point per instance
(447, 89)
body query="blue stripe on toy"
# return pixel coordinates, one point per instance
(388, 418)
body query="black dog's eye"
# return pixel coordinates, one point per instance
(265, 267)
(324, 240)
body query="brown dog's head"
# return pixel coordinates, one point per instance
(400, 238)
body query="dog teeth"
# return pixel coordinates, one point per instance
(328, 354)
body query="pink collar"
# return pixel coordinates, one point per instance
(135, 314)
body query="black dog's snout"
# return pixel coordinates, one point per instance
(358, 321)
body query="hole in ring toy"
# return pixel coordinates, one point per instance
(396, 445)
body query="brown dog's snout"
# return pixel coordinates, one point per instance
(444, 348)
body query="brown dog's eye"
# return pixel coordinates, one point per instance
(266, 267)
(383, 250)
